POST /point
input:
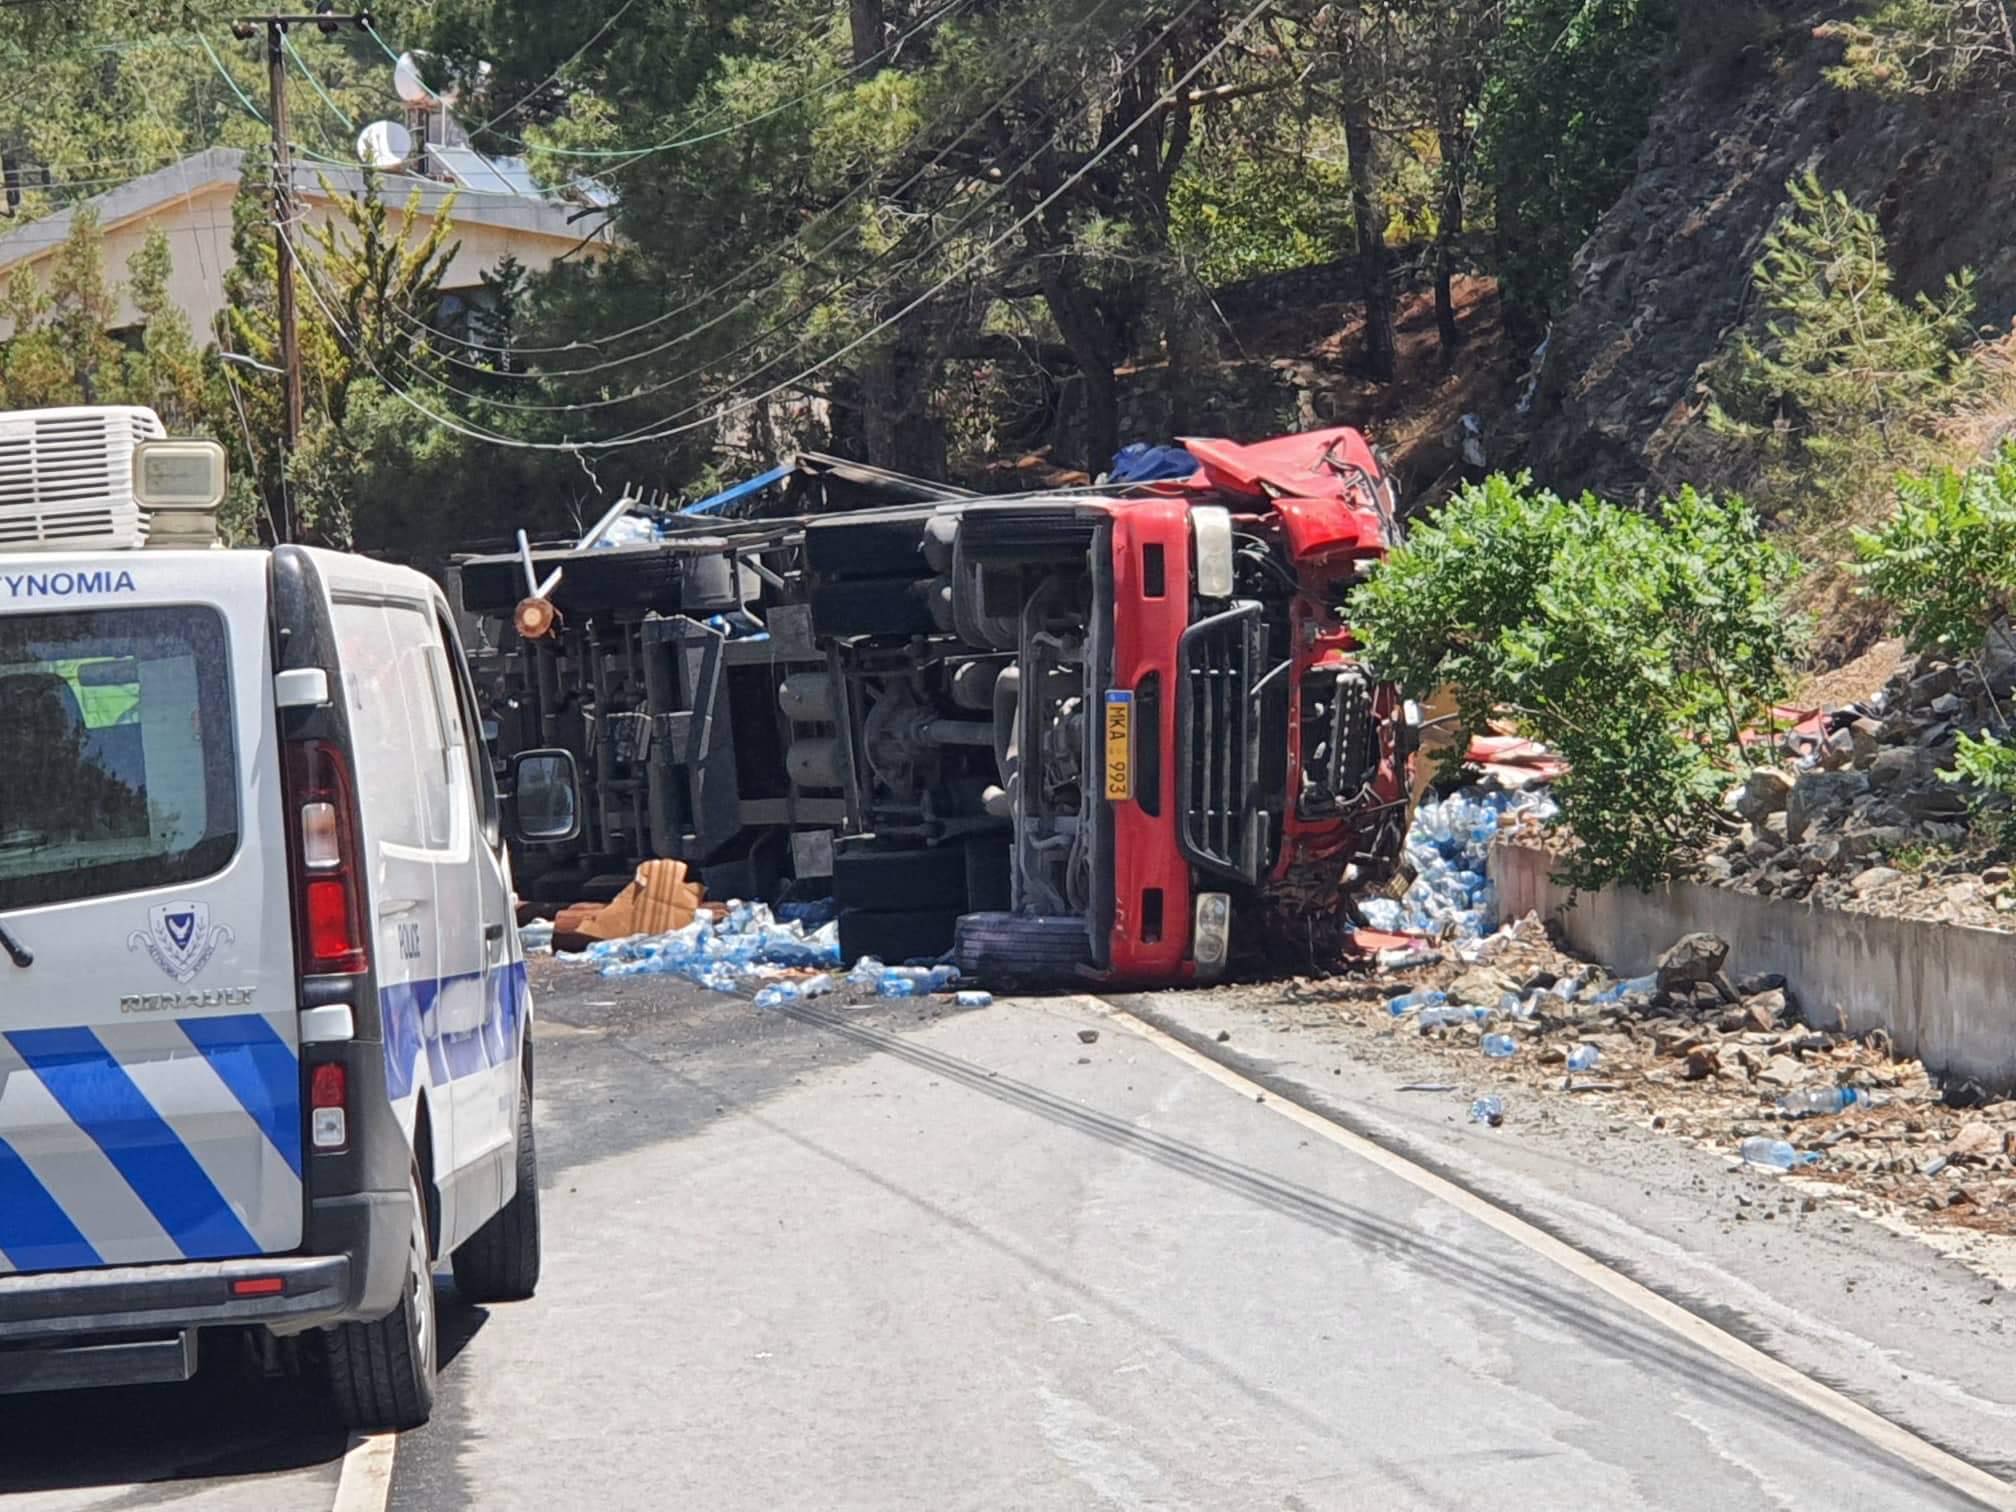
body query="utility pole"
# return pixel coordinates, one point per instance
(245, 28)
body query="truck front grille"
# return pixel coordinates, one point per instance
(1220, 827)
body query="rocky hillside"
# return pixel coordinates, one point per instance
(1859, 816)
(1665, 280)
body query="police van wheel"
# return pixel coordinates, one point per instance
(500, 1263)
(382, 1373)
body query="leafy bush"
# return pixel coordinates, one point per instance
(1638, 647)
(1848, 377)
(1237, 217)
(1946, 561)
(1988, 765)
(1571, 90)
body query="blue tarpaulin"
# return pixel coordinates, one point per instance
(1142, 463)
(721, 501)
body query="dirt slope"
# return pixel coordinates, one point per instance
(1666, 277)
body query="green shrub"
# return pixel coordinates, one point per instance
(1988, 766)
(1946, 561)
(1639, 647)
(1848, 377)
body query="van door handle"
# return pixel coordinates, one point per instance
(493, 931)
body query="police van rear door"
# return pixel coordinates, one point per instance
(150, 1087)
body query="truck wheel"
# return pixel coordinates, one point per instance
(885, 546)
(500, 1261)
(1010, 947)
(889, 881)
(990, 881)
(896, 937)
(872, 606)
(382, 1373)
(597, 582)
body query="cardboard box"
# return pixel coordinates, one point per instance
(661, 897)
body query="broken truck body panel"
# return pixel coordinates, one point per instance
(1073, 734)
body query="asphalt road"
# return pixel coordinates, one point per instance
(896, 1256)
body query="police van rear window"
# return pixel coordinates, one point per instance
(117, 765)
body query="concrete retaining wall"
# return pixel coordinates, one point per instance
(1944, 992)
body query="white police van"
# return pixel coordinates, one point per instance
(264, 1027)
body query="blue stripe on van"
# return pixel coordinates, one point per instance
(35, 1233)
(404, 1007)
(101, 1099)
(261, 1071)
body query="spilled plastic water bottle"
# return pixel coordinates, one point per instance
(1642, 986)
(778, 994)
(866, 973)
(1499, 1046)
(972, 999)
(1818, 1100)
(893, 986)
(1488, 1110)
(1407, 1002)
(1443, 1015)
(1583, 1057)
(1776, 1153)
(817, 986)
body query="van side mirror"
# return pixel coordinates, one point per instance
(546, 807)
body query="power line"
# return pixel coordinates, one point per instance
(316, 84)
(630, 155)
(811, 302)
(660, 430)
(729, 284)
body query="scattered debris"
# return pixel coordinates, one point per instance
(1722, 1056)
(1488, 1110)
(1088, 1036)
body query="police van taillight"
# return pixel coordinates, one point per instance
(329, 911)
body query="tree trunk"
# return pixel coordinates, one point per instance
(864, 18)
(1079, 322)
(1371, 227)
(1455, 165)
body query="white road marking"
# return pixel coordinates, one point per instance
(1869, 1426)
(366, 1482)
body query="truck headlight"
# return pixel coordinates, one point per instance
(1212, 938)
(1211, 524)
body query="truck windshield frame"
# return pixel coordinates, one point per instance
(110, 788)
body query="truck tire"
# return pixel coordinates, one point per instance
(894, 938)
(500, 1261)
(381, 1373)
(892, 881)
(990, 883)
(599, 581)
(872, 606)
(1033, 948)
(879, 546)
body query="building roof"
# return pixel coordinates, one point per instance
(140, 197)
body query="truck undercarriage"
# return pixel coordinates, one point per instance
(1112, 733)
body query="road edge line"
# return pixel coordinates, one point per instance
(1871, 1426)
(365, 1484)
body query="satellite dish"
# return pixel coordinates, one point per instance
(406, 79)
(384, 144)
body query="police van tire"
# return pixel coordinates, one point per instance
(500, 1261)
(382, 1373)
(1032, 948)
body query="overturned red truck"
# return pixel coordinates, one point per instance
(1120, 733)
